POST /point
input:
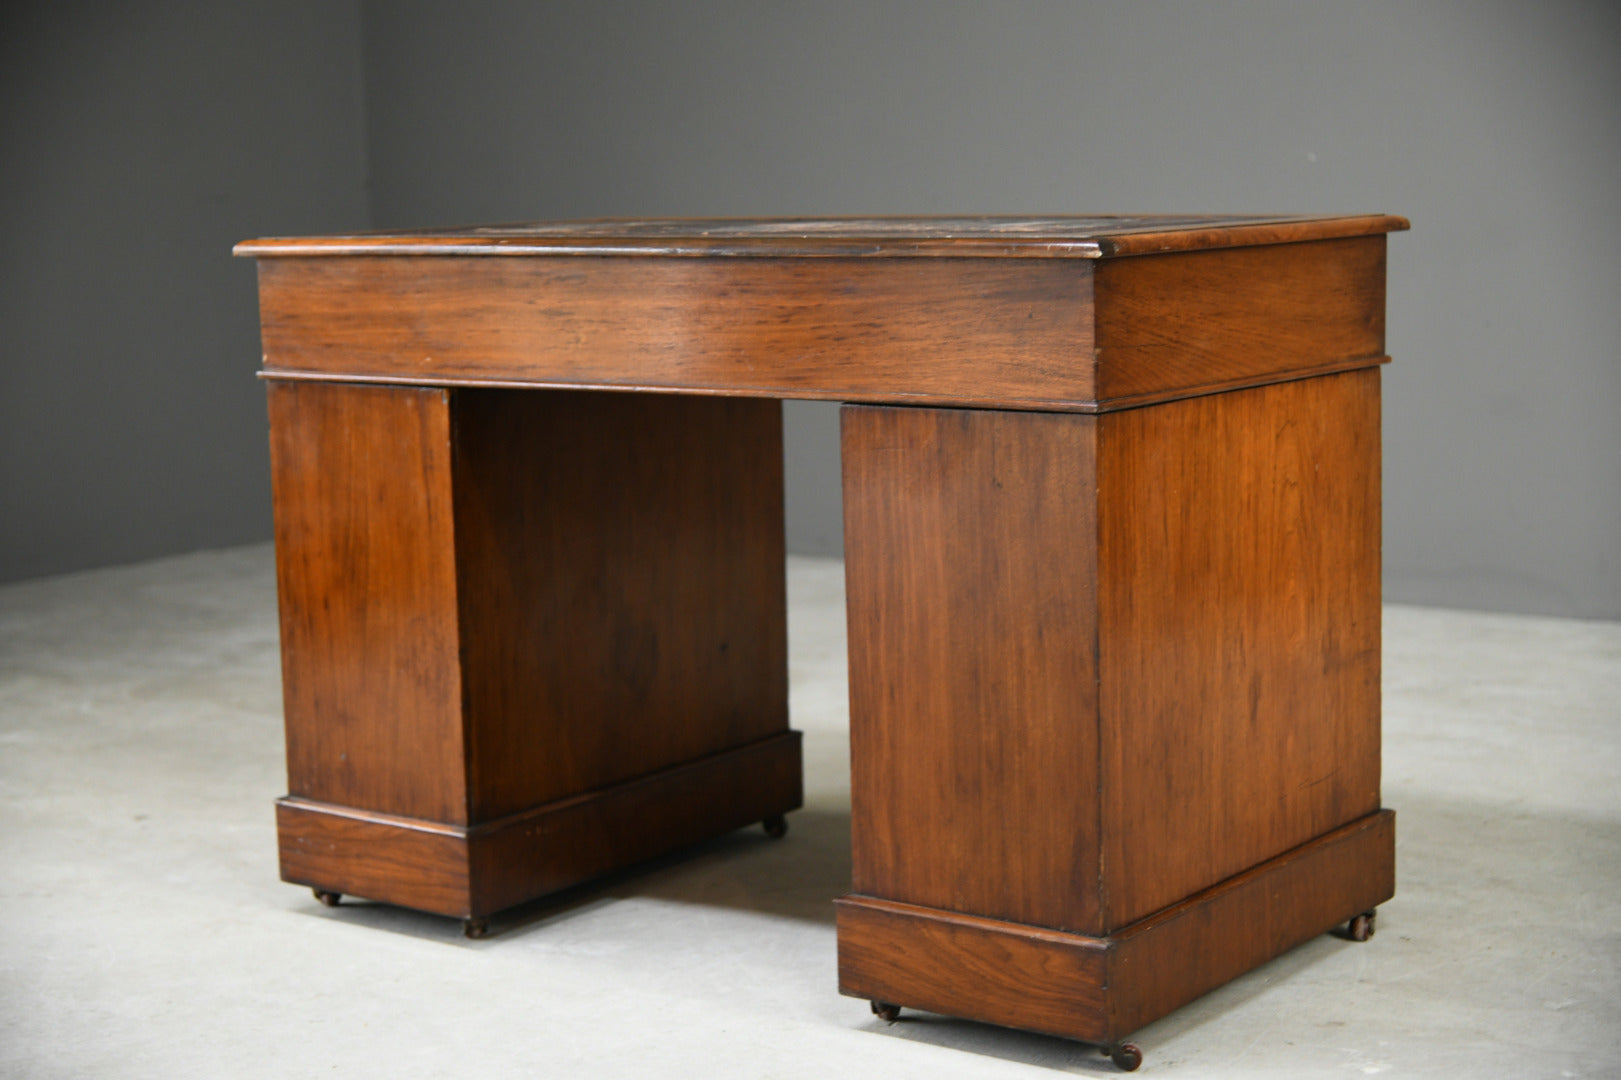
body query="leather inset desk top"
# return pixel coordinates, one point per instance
(1056, 236)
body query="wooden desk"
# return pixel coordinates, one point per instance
(1112, 549)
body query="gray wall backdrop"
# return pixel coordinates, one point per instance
(147, 143)
(138, 142)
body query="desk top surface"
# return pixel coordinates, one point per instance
(1058, 236)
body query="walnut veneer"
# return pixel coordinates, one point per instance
(1112, 551)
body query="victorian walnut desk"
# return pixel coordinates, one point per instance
(1111, 512)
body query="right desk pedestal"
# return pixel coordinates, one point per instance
(1114, 686)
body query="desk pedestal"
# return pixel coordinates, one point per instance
(527, 638)
(1114, 687)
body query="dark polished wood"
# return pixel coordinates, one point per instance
(1099, 665)
(963, 331)
(622, 593)
(493, 604)
(1106, 662)
(1021, 333)
(1099, 989)
(971, 576)
(1238, 627)
(1172, 324)
(1112, 552)
(472, 872)
(366, 570)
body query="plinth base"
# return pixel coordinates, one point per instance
(472, 871)
(1100, 989)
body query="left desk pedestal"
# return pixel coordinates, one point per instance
(528, 636)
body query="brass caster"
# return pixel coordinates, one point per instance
(883, 1010)
(1361, 928)
(775, 826)
(330, 899)
(475, 928)
(1126, 1056)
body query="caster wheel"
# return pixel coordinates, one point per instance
(475, 928)
(330, 899)
(1361, 928)
(775, 826)
(1126, 1057)
(883, 1010)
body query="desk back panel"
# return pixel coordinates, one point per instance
(961, 331)
(621, 585)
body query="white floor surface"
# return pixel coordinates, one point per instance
(144, 933)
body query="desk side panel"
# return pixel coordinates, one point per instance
(969, 556)
(365, 570)
(1239, 617)
(969, 331)
(1173, 325)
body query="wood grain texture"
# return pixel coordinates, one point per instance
(474, 872)
(1114, 678)
(916, 330)
(1165, 961)
(1101, 989)
(577, 839)
(387, 858)
(1238, 631)
(366, 574)
(984, 969)
(969, 560)
(1020, 334)
(496, 601)
(1060, 236)
(621, 586)
(1226, 318)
